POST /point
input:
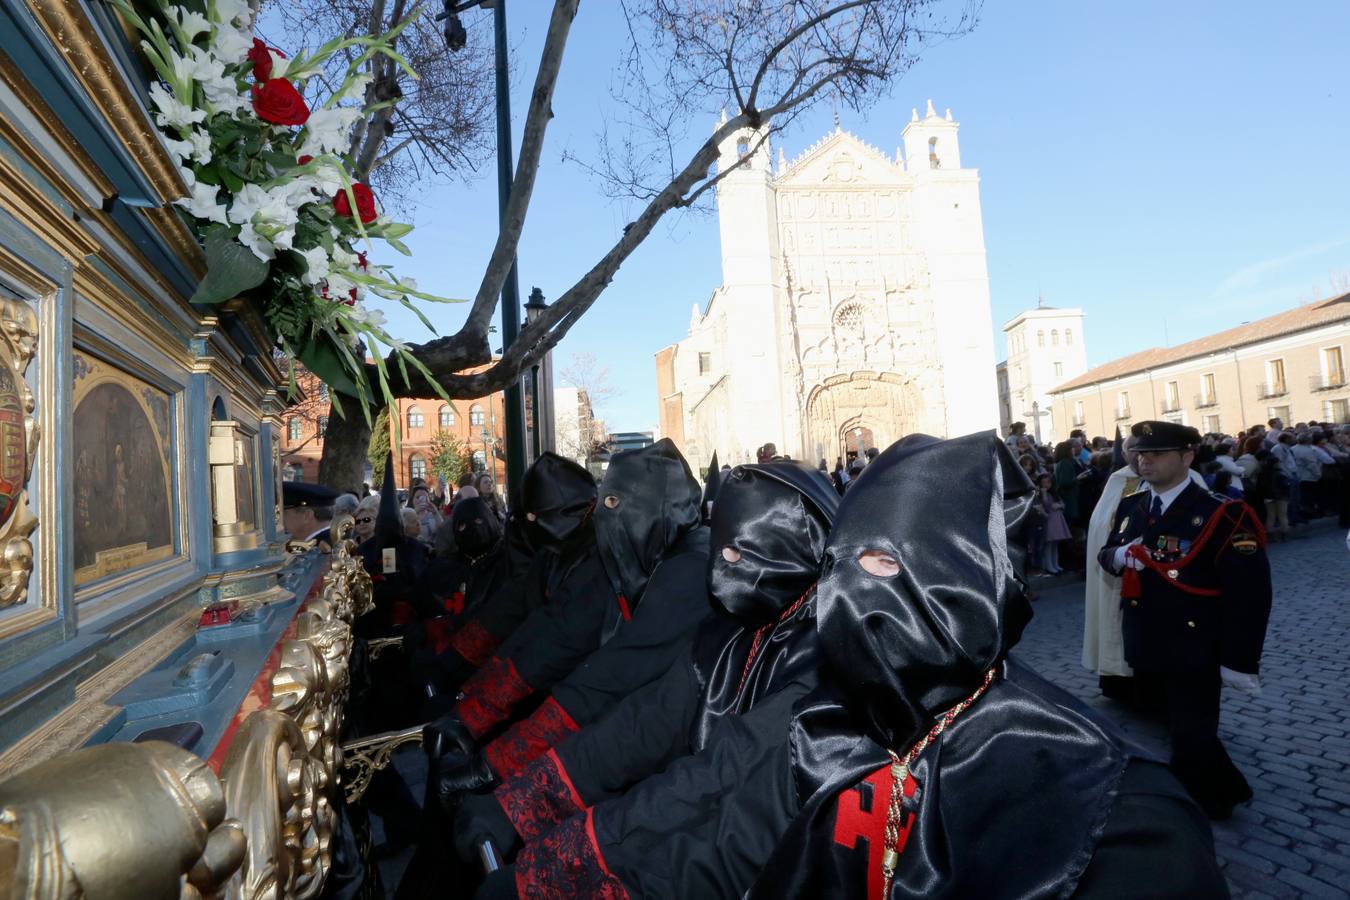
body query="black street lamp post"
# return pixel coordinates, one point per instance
(455, 38)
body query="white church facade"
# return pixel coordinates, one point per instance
(854, 305)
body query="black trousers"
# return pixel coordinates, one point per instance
(1198, 756)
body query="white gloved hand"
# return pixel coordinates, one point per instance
(1121, 561)
(1248, 683)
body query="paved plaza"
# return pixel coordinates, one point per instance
(1292, 742)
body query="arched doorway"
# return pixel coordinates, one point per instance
(856, 412)
(856, 440)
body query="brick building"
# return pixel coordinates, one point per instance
(1290, 366)
(304, 422)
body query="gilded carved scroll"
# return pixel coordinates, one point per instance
(19, 434)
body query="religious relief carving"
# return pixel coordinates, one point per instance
(19, 435)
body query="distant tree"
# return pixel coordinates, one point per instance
(450, 458)
(594, 390)
(378, 449)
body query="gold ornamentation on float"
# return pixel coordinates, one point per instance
(363, 757)
(19, 435)
(117, 822)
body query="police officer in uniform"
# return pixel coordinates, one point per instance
(1195, 599)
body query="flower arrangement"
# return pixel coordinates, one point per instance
(272, 202)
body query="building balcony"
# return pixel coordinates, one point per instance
(1079, 420)
(1122, 413)
(1328, 382)
(1271, 389)
(1171, 406)
(1203, 402)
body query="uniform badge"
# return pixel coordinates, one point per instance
(1124, 523)
(1244, 542)
(1197, 521)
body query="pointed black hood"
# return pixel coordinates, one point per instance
(475, 525)
(777, 517)
(558, 498)
(389, 520)
(911, 645)
(648, 500)
(710, 486)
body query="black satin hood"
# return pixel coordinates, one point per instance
(777, 516)
(912, 645)
(560, 495)
(476, 528)
(710, 485)
(520, 543)
(648, 500)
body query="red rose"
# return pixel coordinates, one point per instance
(365, 203)
(262, 60)
(305, 160)
(277, 101)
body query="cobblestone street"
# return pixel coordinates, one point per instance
(1292, 742)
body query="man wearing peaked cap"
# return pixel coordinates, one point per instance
(306, 510)
(1195, 600)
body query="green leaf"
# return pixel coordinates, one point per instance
(233, 182)
(231, 268)
(324, 360)
(394, 230)
(399, 246)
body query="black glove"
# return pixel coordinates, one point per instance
(448, 735)
(500, 885)
(481, 818)
(456, 774)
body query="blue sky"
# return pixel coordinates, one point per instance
(1172, 168)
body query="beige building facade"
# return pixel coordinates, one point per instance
(1045, 347)
(1290, 366)
(854, 307)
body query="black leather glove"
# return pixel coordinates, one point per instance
(500, 885)
(481, 818)
(456, 774)
(448, 735)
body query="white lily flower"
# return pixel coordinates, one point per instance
(279, 63)
(329, 130)
(189, 177)
(408, 284)
(231, 45)
(327, 179)
(338, 285)
(316, 260)
(371, 317)
(181, 150)
(170, 113)
(203, 203)
(232, 12)
(355, 89)
(200, 142)
(192, 23)
(342, 259)
(261, 246)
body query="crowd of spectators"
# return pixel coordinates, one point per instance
(1289, 476)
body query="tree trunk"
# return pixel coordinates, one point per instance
(344, 452)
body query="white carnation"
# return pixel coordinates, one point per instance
(231, 45)
(181, 150)
(261, 246)
(316, 261)
(203, 203)
(371, 317)
(201, 146)
(172, 114)
(329, 130)
(232, 12)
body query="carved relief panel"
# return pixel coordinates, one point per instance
(19, 435)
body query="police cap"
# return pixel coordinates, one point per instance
(298, 493)
(1155, 435)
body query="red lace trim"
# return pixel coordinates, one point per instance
(440, 631)
(474, 642)
(490, 694)
(539, 797)
(566, 863)
(526, 740)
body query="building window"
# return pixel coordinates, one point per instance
(1336, 411)
(933, 161)
(447, 417)
(415, 417)
(1078, 417)
(1172, 400)
(479, 461)
(323, 392)
(704, 363)
(323, 425)
(1333, 367)
(1040, 339)
(1068, 335)
(1059, 370)
(417, 467)
(294, 429)
(1123, 405)
(1211, 424)
(1279, 412)
(742, 148)
(1275, 385)
(476, 416)
(1054, 337)
(1207, 392)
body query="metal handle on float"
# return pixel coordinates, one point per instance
(487, 855)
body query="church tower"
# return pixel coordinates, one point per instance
(747, 214)
(947, 201)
